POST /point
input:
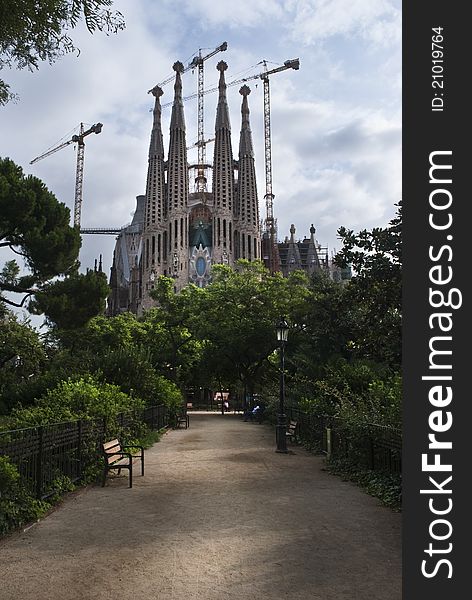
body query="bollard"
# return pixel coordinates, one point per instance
(328, 442)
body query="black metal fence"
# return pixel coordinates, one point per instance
(374, 447)
(46, 454)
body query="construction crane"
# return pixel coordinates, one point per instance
(192, 146)
(269, 196)
(102, 230)
(197, 63)
(79, 177)
(200, 181)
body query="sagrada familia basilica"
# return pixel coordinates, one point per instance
(181, 233)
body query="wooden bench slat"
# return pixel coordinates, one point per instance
(115, 457)
(292, 429)
(111, 444)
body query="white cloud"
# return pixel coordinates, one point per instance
(317, 20)
(246, 13)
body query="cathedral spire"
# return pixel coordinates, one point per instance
(245, 141)
(155, 186)
(156, 147)
(222, 112)
(177, 120)
(223, 178)
(175, 239)
(247, 206)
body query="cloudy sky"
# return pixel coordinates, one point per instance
(336, 123)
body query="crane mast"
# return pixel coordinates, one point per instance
(79, 172)
(269, 196)
(200, 181)
(270, 232)
(79, 177)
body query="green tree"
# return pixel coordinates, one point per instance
(22, 356)
(170, 334)
(34, 225)
(32, 31)
(237, 315)
(374, 294)
(322, 333)
(70, 303)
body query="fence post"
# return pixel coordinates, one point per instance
(372, 452)
(39, 463)
(79, 448)
(328, 443)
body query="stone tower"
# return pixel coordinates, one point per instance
(183, 233)
(247, 240)
(177, 189)
(153, 244)
(223, 179)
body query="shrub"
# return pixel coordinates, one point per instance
(82, 398)
(17, 505)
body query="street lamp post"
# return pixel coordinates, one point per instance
(281, 430)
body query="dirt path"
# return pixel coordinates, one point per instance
(218, 516)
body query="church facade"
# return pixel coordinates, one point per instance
(181, 233)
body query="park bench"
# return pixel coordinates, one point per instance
(291, 433)
(182, 419)
(117, 457)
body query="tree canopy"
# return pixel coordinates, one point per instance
(32, 31)
(236, 317)
(35, 226)
(375, 291)
(342, 355)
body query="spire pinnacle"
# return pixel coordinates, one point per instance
(292, 233)
(222, 112)
(156, 147)
(177, 119)
(245, 141)
(245, 90)
(157, 91)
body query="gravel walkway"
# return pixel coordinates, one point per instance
(218, 516)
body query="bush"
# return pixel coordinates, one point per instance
(17, 505)
(359, 392)
(83, 398)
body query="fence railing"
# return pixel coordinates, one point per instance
(44, 455)
(371, 446)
